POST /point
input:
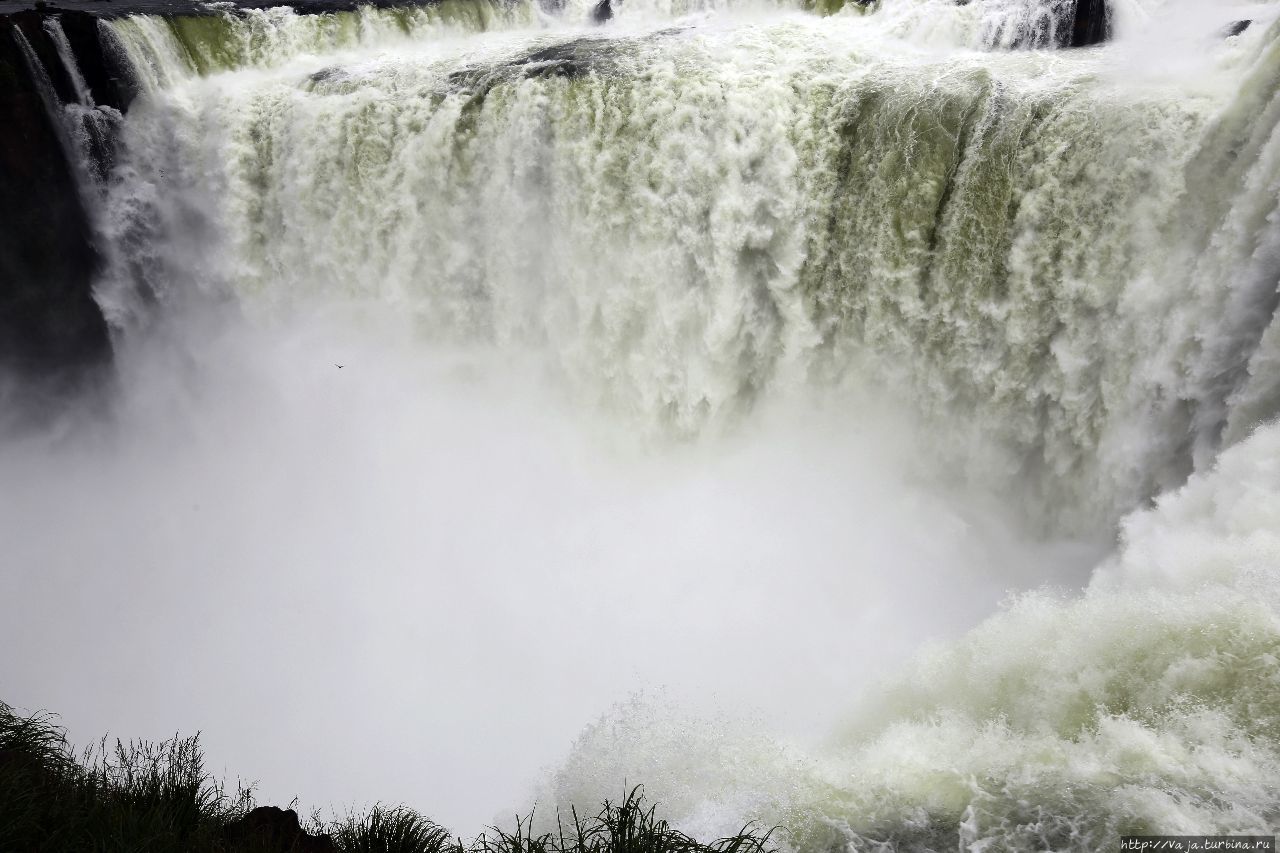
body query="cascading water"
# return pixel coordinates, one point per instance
(688, 216)
(85, 128)
(908, 242)
(91, 126)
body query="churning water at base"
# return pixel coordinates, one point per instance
(479, 367)
(425, 546)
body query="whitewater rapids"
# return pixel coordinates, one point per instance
(480, 365)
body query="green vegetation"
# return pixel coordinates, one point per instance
(157, 798)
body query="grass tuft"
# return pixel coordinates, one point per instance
(392, 830)
(136, 797)
(144, 797)
(625, 827)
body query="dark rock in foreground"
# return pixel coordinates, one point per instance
(271, 828)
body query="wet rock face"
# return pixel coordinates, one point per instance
(1077, 23)
(1234, 28)
(50, 326)
(1091, 25)
(106, 76)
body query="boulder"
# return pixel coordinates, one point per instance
(268, 828)
(1234, 28)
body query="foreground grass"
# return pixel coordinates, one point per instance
(145, 797)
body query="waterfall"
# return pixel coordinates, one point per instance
(53, 27)
(499, 358)
(1008, 237)
(86, 130)
(92, 126)
(48, 96)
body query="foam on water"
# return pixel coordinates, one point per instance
(1148, 705)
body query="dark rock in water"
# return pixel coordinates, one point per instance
(568, 59)
(268, 828)
(571, 58)
(1234, 28)
(1091, 24)
(51, 329)
(602, 12)
(332, 74)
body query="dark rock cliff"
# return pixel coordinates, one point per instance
(51, 330)
(1091, 25)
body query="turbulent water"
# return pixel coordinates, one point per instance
(1071, 250)
(901, 293)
